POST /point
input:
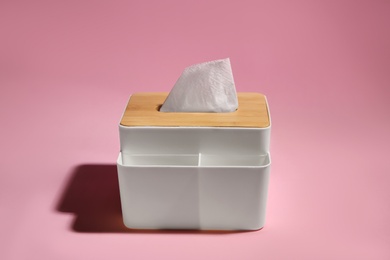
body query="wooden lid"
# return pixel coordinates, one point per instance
(143, 110)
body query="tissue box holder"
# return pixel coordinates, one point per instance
(206, 171)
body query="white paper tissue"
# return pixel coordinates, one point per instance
(204, 87)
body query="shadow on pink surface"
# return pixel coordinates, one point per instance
(92, 195)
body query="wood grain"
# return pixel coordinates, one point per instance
(143, 110)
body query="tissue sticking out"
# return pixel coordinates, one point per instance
(204, 87)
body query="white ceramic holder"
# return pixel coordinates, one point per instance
(206, 171)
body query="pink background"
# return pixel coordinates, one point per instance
(67, 69)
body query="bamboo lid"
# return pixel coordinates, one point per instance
(143, 110)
